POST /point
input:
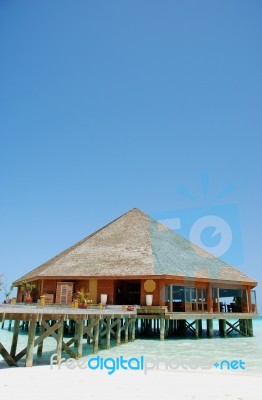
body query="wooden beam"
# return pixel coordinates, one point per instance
(80, 339)
(126, 329)
(133, 332)
(210, 330)
(250, 327)
(64, 345)
(197, 328)
(59, 345)
(41, 344)
(108, 333)
(7, 357)
(96, 337)
(76, 335)
(46, 333)
(15, 338)
(162, 328)
(118, 332)
(222, 327)
(30, 344)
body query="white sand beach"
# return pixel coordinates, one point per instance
(67, 383)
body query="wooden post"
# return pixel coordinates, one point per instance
(91, 331)
(76, 335)
(209, 298)
(40, 346)
(250, 327)
(248, 296)
(166, 328)
(222, 327)
(200, 327)
(100, 333)
(244, 326)
(59, 342)
(197, 328)
(108, 332)
(142, 326)
(126, 330)
(41, 287)
(118, 332)
(162, 328)
(210, 330)
(80, 338)
(96, 337)
(30, 344)
(136, 325)
(133, 333)
(15, 338)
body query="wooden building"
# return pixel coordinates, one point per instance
(134, 256)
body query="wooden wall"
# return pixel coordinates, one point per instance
(106, 286)
(96, 287)
(155, 293)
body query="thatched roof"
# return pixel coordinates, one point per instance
(136, 245)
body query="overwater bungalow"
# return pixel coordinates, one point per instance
(137, 260)
(143, 279)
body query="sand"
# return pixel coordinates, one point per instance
(65, 383)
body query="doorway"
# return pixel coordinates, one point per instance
(127, 292)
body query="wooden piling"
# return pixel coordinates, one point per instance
(41, 344)
(250, 327)
(30, 344)
(59, 342)
(133, 332)
(126, 329)
(91, 330)
(96, 337)
(108, 333)
(162, 328)
(80, 332)
(210, 330)
(197, 328)
(15, 338)
(118, 332)
(10, 325)
(222, 327)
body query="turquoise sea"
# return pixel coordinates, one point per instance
(172, 353)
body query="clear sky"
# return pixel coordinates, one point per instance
(110, 105)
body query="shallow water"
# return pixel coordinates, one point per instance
(185, 354)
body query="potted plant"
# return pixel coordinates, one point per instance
(82, 296)
(27, 288)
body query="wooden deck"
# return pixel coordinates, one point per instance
(207, 315)
(111, 322)
(52, 312)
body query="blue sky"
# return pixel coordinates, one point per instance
(110, 105)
